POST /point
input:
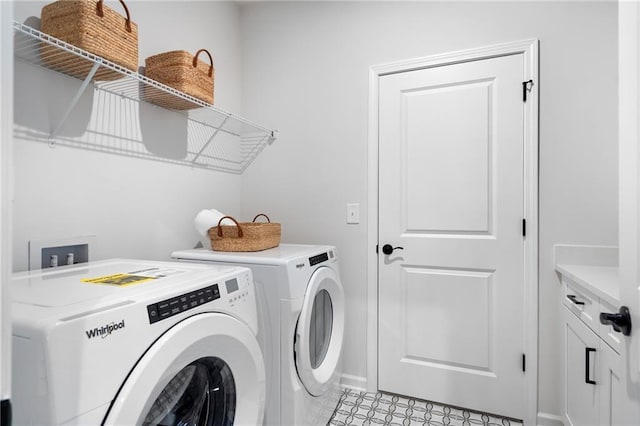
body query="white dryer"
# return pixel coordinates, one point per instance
(124, 342)
(301, 314)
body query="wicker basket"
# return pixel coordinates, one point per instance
(245, 236)
(93, 27)
(182, 71)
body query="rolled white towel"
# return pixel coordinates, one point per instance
(208, 219)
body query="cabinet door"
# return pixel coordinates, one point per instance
(613, 395)
(580, 358)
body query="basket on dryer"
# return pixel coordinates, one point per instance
(245, 236)
(94, 28)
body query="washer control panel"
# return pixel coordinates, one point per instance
(178, 304)
(237, 289)
(319, 258)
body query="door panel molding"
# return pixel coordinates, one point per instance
(473, 212)
(529, 50)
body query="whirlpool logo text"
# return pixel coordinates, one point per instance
(105, 330)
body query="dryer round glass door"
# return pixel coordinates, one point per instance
(320, 331)
(205, 370)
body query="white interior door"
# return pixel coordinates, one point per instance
(629, 200)
(451, 301)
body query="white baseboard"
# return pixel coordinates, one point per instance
(546, 419)
(356, 383)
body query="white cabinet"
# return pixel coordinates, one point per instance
(594, 386)
(611, 388)
(592, 376)
(581, 397)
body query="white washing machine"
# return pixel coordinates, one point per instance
(124, 342)
(301, 314)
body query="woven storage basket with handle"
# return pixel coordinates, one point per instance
(93, 27)
(245, 236)
(182, 71)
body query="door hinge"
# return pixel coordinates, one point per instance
(524, 227)
(526, 87)
(377, 248)
(524, 363)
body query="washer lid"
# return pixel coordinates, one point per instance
(116, 279)
(207, 369)
(320, 331)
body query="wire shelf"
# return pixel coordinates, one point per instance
(216, 139)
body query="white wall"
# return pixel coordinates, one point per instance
(136, 208)
(305, 71)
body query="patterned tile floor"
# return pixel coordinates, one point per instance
(361, 408)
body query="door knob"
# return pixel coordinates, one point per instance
(388, 249)
(621, 322)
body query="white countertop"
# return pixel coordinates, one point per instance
(602, 281)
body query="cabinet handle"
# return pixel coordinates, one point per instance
(574, 299)
(587, 363)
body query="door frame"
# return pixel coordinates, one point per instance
(528, 48)
(6, 159)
